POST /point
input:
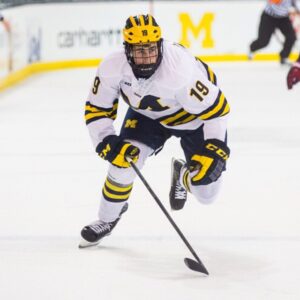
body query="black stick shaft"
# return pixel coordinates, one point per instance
(165, 211)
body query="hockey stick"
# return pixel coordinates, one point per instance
(190, 263)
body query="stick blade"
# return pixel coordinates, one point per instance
(195, 266)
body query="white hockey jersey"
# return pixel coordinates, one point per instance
(182, 94)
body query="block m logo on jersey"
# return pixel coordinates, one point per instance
(204, 25)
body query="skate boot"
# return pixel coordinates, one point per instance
(285, 62)
(93, 233)
(178, 193)
(250, 55)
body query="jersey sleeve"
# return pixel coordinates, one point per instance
(201, 96)
(102, 104)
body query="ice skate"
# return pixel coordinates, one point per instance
(92, 234)
(285, 62)
(250, 55)
(178, 193)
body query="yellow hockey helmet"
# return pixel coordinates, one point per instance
(141, 29)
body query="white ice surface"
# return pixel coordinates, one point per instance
(51, 179)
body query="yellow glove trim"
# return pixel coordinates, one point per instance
(205, 163)
(104, 152)
(124, 148)
(120, 160)
(217, 150)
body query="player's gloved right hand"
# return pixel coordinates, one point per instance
(115, 150)
(294, 75)
(210, 162)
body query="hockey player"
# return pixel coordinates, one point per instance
(4, 21)
(294, 74)
(169, 93)
(276, 15)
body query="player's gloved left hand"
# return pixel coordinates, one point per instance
(210, 162)
(294, 75)
(115, 150)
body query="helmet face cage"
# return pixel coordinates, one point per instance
(144, 53)
(141, 33)
(143, 70)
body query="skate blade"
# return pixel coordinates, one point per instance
(85, 244)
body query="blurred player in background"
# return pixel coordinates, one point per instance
(294, 74)
(276, 16)
(9, 36)
(4, 22)
(169, 93)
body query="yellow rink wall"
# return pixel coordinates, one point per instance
(17, 76)
(39, 39)
(38, 67)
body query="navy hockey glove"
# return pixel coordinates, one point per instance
(210, 162)
(115, 150)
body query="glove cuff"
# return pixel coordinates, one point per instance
(216, 148)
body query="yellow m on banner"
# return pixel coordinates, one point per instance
(204, 25)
